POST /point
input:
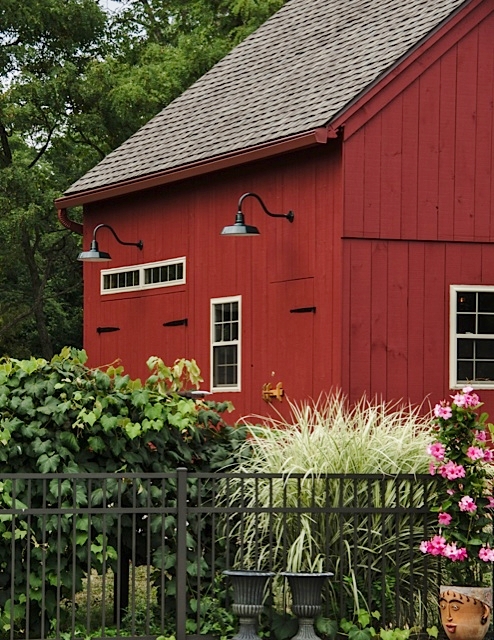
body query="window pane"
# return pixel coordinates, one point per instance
(225, 366)
(227, 332)
(465, 301)
(465, 370)
(486, 323)
(218, 312)
(465, 348)
(465, 323)
(484, 370)
(486, 302)
(484, 349)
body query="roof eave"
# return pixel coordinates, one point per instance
(243, 156)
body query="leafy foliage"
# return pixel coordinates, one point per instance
(361, 540)
(69, 96)
(464, 461)
(60, 416)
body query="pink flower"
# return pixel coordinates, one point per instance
(481, 436)
(432, 469)
(444, 518)
(424, 546)
(459, 399)
(451, 471)
(491, 502)
(450, 492)
(467, 504)
(475, 453)
(443, 410)
(437, 450)
(452, 552)
(488, 455)
(436, 546)
(466, 398)
(471, 400)
(486, 554)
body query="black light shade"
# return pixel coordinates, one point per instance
(95, 255)
(239, 228)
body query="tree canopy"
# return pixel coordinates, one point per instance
(75, 82)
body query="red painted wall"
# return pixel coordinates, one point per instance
(384, 222)
(418, 214)
(289, 266)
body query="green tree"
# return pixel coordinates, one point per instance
(69, 96)
(40, 55)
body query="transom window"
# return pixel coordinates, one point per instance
(225, 343)
(472, 336)
(144, 276)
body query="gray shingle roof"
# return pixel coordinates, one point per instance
(294, 74)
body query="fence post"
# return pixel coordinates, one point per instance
(181, 566)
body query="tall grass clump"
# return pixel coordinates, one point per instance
(342, 468)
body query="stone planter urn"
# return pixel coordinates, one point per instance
(465, 611)
(306, 591)
(248, 597)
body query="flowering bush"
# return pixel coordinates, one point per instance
(461, 456)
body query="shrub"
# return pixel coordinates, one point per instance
(365, 548)
(61, 416)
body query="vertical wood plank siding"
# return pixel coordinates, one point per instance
(387, 217)
(418, 204)
(288, 266)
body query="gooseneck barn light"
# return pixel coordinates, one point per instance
(242, 229)
(95, 255)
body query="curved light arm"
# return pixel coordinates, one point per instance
(139, 244)
(289, 216)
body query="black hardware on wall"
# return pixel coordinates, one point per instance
(107, 329)
(303, 310)
(176, 323)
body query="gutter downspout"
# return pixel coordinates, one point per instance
(74, 226)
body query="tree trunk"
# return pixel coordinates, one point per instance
(37, 287)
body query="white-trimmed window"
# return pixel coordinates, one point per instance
(225, 343)
(472, 336)
(144, 276)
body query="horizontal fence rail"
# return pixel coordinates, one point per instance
(143, 555)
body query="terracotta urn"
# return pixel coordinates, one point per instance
(465, 611)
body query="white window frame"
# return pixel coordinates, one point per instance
(453, 354)
(142, 268)
(214, 302)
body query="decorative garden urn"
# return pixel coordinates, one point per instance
(465, 611)
(248, 598)
(306, 591)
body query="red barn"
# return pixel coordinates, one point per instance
(372, 121)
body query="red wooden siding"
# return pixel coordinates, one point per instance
(386, 219)
(421, 167)
(398, 305)
(283, 269)
(418, 200)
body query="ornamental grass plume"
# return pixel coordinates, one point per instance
(465, 463)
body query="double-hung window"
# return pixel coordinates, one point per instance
(472, 336)
(225, 343)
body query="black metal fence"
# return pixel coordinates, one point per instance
(142, 555)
